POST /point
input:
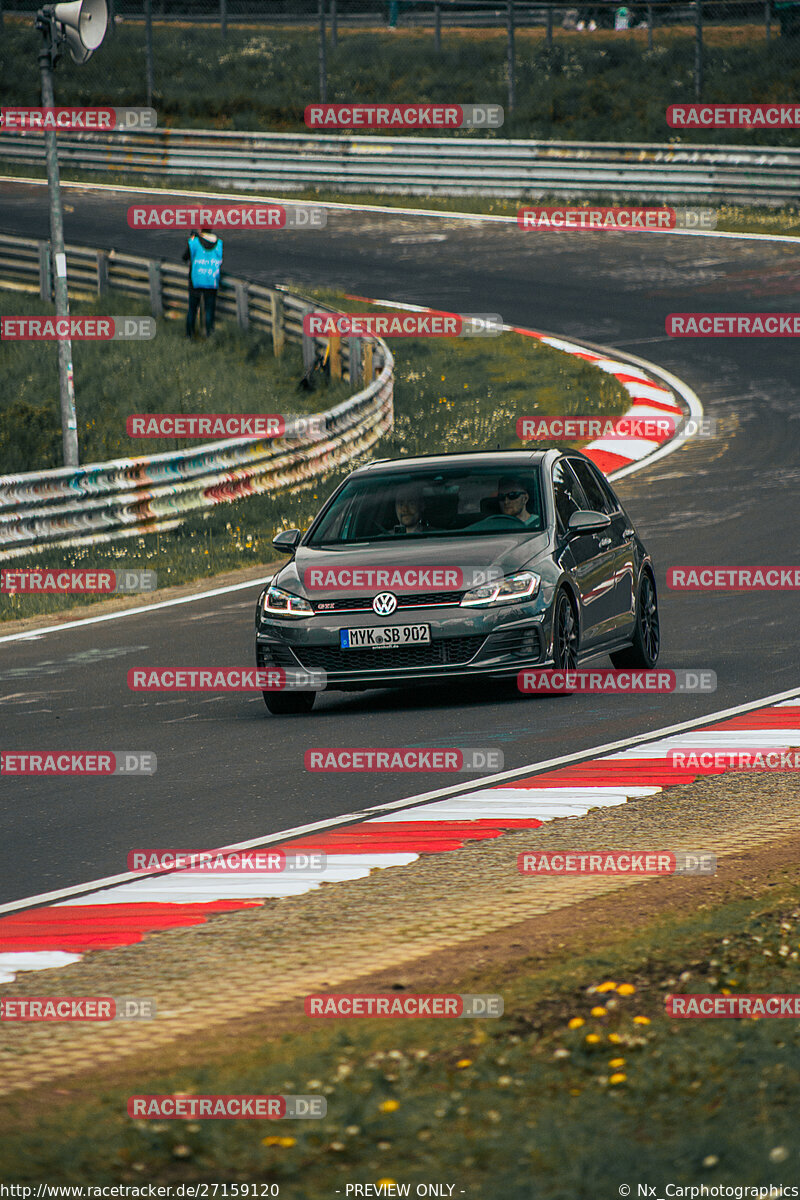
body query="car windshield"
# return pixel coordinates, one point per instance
(450, 502)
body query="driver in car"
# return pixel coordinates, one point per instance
(408, 506)
(513, 497)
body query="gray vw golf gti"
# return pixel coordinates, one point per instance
(420, 570)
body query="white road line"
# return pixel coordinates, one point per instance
(131, 612)
(489, 218)
(412, 801)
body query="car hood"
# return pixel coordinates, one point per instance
(503, 553)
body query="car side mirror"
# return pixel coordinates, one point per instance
(587, 522)
(287, 540)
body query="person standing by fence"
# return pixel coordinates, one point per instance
(204, 255)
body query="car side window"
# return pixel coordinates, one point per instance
(568, 493)
(598, 497)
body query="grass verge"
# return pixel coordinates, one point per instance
(233, 373)
(607, 86)
(582, 1086)
(450, 395)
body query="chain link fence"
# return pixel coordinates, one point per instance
(601, 71)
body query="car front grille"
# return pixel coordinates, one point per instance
(442, 652)
(364, 603)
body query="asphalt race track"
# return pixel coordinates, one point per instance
(227, 771)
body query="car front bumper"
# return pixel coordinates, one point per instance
(486, 643)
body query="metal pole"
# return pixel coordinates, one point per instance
(323, 66)
(437, 28)
(698, 50)
(112, 16)
(767, 19)
(649, 27)
(510, 56)
(223, 18)
(148, 49)
(334, 26)
(549, 34)
(66, 385)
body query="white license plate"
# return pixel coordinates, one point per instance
(384, 637)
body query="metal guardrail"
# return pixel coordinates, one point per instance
(448, 166)
(128, 496)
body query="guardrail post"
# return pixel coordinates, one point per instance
(148, 49)
(276, 312)
(511, 55)
(650, 26)
(45, 272)
(336, 356)
(767, 20)
(334, 26)
(112, 15)
(323, 65)
(102, 272)
(242, 304)
(549, 32)
(437, 28)
(698, 50)
(355, 361)
(156, 295)
(309, 352)
(223, 18)
(368, 369)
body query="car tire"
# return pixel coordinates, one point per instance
(282, 704)
(566, 638)
(647, 633)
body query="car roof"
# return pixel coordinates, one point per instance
(502, 460)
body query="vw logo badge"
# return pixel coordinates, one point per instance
(384, 604)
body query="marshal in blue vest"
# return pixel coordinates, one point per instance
(206, 262)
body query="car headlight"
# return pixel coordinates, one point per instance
(523, 586)
(275, 602)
